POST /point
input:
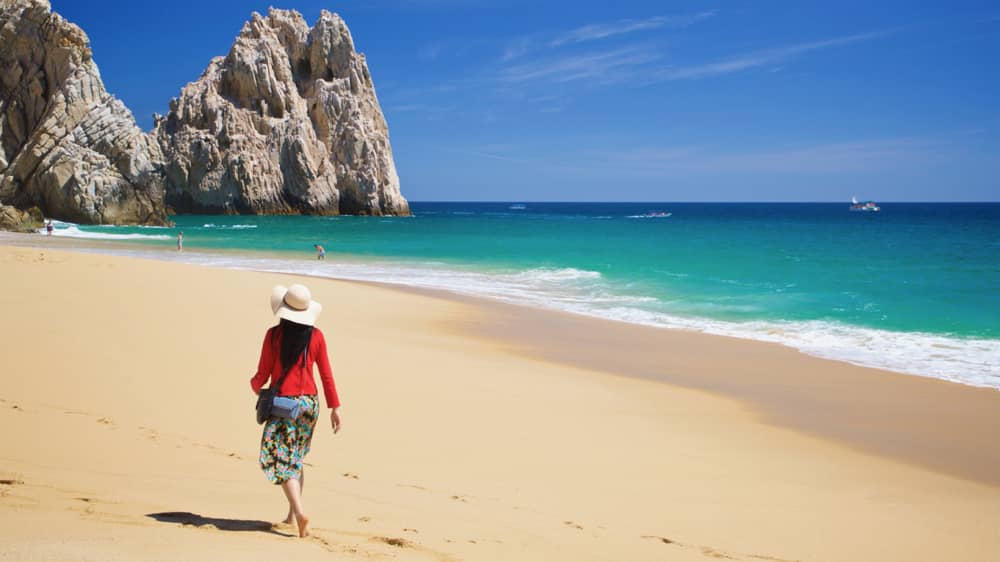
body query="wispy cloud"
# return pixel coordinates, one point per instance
(641, 64)
(521, 46)
(605, 66)
(741, 62)
(597, 31)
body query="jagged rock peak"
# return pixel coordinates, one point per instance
(67, 146)
(286, 122)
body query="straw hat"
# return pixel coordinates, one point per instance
(295, 304)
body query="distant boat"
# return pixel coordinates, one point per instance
(517, 207)
(657, 215)
(864, 206)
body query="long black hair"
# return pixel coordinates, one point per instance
(294, 341)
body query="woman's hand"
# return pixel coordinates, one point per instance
(335, 420)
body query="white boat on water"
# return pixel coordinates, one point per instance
(864, 206)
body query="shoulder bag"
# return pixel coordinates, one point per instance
(270, 405)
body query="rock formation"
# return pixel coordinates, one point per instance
(287, 122)
(66, 145)
(16, 220)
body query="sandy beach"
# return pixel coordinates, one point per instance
(472, 431)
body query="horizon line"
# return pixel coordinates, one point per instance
(767, 202)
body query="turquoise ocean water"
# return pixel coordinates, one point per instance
(914, 288)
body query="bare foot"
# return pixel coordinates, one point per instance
(288, 519)
(303, 526)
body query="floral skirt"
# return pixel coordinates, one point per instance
(286, 442)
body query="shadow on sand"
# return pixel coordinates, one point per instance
(195, 520)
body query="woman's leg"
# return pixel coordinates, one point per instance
(304, 425)
(293, 491)
(302, 490)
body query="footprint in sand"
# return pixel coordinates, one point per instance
(408, 530)
(664, 540)
(364, 519)
(394, 541)
(711, 552)
(91, 509)
(462, 499)
(350, 475)
(326, 544)
(88, 509)
(574, 525)
(151, 434)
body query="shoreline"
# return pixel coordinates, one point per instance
(959, 359)
(822, 401)
(892, 421)
(461, 440)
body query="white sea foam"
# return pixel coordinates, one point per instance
(70, 230)
(964, 360)
(229, 226)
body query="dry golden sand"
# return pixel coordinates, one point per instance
(127, 433)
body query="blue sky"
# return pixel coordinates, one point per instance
(633, 101)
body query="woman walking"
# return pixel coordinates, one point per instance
(290, 350)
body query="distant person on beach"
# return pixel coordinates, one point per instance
(49, 227)
(180, 241)
(290, 350)
(320, 252)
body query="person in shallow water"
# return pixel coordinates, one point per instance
(292, 348)
(320, 252)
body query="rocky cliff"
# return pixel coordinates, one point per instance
(66, 145)
(287, 122)
(16, 220)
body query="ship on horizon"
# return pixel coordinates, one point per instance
(864, 206)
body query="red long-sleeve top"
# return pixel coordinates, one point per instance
(299, 379)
